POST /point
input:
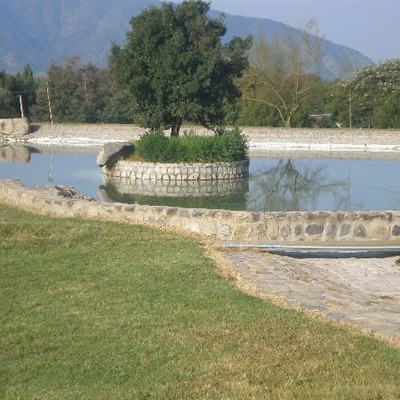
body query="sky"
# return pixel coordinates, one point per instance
(369, 26)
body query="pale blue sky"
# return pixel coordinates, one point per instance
(369, 26)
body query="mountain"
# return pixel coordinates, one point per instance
(35, 32)
(338, 61)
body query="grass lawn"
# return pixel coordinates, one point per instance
(95, 310)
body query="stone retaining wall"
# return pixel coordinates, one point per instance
(134, 170)
(220, 224)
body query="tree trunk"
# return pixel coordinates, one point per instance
(288, 122)
(176, 126)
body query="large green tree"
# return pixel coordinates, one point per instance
(175, 68)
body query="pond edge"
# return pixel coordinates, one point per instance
(243, 226)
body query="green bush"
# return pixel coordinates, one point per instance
(227, 146)
(156, 147)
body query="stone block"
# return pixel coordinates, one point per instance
(191, 226)
(314, 229)
(345, 229)
(298, 230)
(380, 231)
(224, 231)
(241, 231)
(284, 231)
(255, 217)
(272, 231)
(331, 231)
(257, 231)
(360, 231)
(396, 230)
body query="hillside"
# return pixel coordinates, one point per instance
(36, 32)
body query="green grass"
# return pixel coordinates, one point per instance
(95, 310)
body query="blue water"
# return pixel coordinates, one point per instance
(326, 184)
(76, 170)
(275, 184)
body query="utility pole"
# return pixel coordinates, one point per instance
(350, 108)
(48, 99)
(21, 106)
(50, 172)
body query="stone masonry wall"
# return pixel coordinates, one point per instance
(178, 172)
(263, 227)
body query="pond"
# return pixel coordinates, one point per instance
(285, 182)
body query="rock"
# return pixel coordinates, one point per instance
(314, 229)
(396, 230)
(63, 191)
(112, 151)
(14, 127)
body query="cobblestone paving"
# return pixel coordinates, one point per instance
(359, 289)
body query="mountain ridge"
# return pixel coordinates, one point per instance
(37, 34)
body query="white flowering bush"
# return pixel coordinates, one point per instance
(374, 89)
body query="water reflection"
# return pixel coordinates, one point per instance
(229, 194)
(15, 153)
(274, 184)
(290, 185)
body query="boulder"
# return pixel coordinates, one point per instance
(14, 127)
(113, 151)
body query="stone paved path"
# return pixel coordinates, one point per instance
(361, 289)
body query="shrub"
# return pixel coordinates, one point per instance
(227, 146)
(156, 147)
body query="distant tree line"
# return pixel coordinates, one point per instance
(17, 89)
(82, 93)
(174, 69)
(85, 93)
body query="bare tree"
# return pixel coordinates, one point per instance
(283, 72)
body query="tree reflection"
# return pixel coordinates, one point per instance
(291, 187)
